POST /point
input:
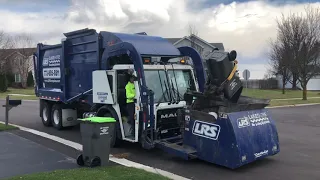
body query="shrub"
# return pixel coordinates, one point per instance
(3, 83)
(10, 79)
(30, 81)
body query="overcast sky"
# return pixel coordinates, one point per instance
(245, 25)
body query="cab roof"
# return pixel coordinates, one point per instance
(146, 45)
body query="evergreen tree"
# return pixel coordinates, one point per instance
(3, 83)
(30, 81)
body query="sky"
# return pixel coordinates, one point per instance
(245, 26)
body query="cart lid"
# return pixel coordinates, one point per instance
(99, 119)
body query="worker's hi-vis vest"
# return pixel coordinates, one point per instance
(130, 92)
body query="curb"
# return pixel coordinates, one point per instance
(294, 105)
(121, 161)
(294, 99)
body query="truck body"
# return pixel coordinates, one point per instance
(86, 74)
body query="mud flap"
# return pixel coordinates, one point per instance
(231, 140)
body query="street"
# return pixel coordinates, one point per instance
(298, 129)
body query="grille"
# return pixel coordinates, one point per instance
(167, 123)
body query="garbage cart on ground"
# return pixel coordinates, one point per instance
(95, 132)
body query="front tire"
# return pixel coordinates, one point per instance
(114, 140)
(57, 116)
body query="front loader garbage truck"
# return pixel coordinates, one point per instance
(86, 74)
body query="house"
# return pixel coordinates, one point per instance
(17, 62)
(313, 84)
(203, 47)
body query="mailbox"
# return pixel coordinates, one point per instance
(9, 105)
(14, 102)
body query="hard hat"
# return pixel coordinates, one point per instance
(130, 71)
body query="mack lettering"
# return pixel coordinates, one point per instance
(166, 116)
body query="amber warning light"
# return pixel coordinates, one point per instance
(146, 60)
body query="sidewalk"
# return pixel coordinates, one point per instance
(19, 156)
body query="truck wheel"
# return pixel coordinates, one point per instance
(113, 137)
(57, 116)
(104, 112)
(46, 114)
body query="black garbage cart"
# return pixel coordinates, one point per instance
(96, 133)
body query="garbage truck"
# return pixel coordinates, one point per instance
(85, 75)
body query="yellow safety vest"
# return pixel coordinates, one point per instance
(130, 92)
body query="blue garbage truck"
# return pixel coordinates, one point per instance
(178, 106)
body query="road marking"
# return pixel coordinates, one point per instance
(124, 162)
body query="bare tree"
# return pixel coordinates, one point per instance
(24, 44)
(280, 62)
(5, 43)
(299, 36)
(192, 33)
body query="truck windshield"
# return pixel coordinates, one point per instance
(179, 81)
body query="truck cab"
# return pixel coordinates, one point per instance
(168, 84)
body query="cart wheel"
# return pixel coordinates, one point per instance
(95, 162)
(80, 161)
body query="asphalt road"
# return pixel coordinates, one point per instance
(20, 156)
(299, 133)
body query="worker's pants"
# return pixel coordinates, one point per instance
(130, 109)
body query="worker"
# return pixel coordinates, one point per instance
(130, 95)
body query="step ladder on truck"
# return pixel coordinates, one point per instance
(85, 75)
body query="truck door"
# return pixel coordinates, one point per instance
(111, 74)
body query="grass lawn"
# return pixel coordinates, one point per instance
(277, 94)
(28, 91)
(3, 127)
(110, 173)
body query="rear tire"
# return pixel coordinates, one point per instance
(57, 116)
(46, 114)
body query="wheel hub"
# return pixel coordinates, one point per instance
(44, 114)
(56, 117)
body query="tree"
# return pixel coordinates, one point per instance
(193, 32)
(299, 36)
(5, 43)
(30, 81)
(280, 62)
(23, 62)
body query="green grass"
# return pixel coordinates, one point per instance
(109, 173)
(28, 91)
(3, 127)
(277, 94)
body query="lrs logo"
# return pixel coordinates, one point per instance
(206, 130)
(243, 122)
(233, 84)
